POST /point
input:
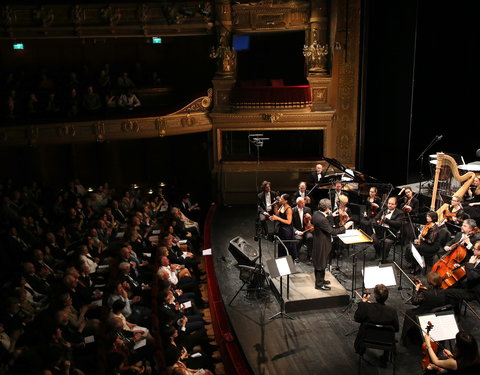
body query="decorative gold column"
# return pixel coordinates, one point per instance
(317, 55)
(225, 56)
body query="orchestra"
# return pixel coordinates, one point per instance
(390, 219)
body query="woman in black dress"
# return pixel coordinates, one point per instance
(283, 215)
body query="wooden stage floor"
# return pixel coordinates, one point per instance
(316, 341)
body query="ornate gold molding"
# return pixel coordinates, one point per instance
(105, 20)
(262, 16)
(192, 118)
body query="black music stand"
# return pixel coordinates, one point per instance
(279, 267)
(382, 233)
(353, 237)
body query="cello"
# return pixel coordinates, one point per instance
(447, 266)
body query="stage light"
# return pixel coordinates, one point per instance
(90, 189)
(18, 46)
(156, 40)
(150, 191)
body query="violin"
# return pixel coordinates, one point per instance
(426, 360)
(366, 296)
(417, 281)
(406, 207)
(307, 222)
(425, 229)
(451, 216)
(373, 209)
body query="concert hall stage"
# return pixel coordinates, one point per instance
(320, 338)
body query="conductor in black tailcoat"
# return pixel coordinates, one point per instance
(376, 313)
(322, 241)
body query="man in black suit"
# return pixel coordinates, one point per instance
(375, 313)
(322, 241)
(265, 201)
(334, 194)
(302, 193)
(316, 177)
(469, 289)
(466, 237)
(390, 219)
(300, 215)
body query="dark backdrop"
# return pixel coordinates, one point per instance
(439, 68)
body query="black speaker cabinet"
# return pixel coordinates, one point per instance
(243, 252)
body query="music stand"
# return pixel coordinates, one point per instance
(382, 233)
(353, 237)
(444, 325)
(279, 267)
(381, 274)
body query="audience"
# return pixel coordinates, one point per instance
(30, 97)
(77, 279)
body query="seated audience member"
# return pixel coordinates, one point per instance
(73, 103)
(125, 82)
(91, 100)
(128, 101)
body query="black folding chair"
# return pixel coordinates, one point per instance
(381, 337)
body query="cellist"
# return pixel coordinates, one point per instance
(469, 288)
(468, 235)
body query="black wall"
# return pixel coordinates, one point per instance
(442, 80)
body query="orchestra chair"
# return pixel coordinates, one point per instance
(381, 337)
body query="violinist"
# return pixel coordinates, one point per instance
(465, 360)
(467, 236)
(453, 215)
(302, 193)
(389, 218)
(426, 299)
(334, 194)
(469, 289)
(302, 223)
(372, 204)
(376, 313)
(409, 205)
(427, 243)
(342, 214)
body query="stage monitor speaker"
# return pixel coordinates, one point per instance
(243, 252)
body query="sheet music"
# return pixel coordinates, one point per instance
(444, 325)
(207, 252)
(418, 257)
(379, 275)
(353, 236)
(283, 267)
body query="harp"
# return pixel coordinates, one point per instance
(466, 180)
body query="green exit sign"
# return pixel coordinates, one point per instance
(156, 40)
(18, 46)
